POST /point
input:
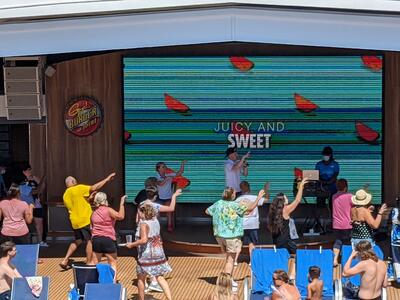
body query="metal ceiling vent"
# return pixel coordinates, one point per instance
(23, 87)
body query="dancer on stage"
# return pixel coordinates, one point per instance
(363, 221)
(151, 258)
(76, 198)
(234, 167)
(251, 221)
(164, 185)
(227, 217)
(278, 219)
(341, 218)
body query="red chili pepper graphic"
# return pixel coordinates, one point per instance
(304, 104)
(174, 104)
(241, 63)
(372, 62)
(366, 133)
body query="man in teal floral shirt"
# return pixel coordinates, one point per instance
(227, 217)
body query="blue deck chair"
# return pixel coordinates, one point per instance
(263, 263)
(21, 290)
(104, 291)
(26, 259)
(101, 273)
(324, 260)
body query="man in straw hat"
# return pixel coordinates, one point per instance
(372, 270)
(361, 216)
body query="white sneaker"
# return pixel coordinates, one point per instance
(43, 244)
(155, 287)
(146, 287)
(235, 264)
(234, 286)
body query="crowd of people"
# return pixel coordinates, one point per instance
(235, 219)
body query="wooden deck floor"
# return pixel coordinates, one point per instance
(192, 278)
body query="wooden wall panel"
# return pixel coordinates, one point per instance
(38, 149)
(91, 158)
(391, 165)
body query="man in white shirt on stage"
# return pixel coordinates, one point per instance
(234, 167)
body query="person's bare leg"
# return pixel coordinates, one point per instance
(71, 249)
(39, 228)
(89, 252)
(336, 253)
(230, 257)
(251, 248)
(112, 260)
(140, 282)
(237, 256)
(164, 285)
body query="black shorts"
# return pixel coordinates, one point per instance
(38, 213)
(342, 236)
(83, 233)
(19, 240)
(102, 244)
(250, 236)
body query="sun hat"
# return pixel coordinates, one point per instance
(361, 198)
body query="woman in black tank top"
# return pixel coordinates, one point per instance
(278, 219)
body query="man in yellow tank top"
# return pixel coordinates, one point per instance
(76, 200)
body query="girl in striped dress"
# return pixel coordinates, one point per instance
(151, 258)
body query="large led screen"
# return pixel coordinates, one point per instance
(284, 110)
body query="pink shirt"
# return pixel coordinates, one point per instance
(102, 223)
(13, 212)
(341, 215)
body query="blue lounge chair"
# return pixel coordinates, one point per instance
(355, 281)
(324, 260)
(101, 273)
(104, 291)
(263, 263)
(26, 259)
(21, 290)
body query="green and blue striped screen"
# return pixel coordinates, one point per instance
(283, 109)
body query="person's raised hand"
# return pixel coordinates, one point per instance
(91, 197)
(383, 209)
(304, 181)
(178, 192)
(247, 155)
(261, 193)
(111, 176)
(354, 253)
(123, 199)
(371, 208)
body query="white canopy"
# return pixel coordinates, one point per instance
(29, 27)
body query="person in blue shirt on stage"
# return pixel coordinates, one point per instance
(328, 169)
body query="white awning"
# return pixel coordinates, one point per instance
(10, 10)
(202, 25)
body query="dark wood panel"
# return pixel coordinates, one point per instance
(89, 159)
(38, 152)
(391, 151)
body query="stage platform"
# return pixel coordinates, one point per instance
(199, 239)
